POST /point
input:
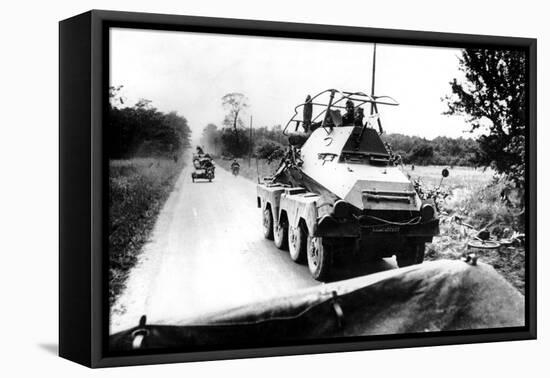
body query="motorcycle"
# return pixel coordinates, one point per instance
(235, 170)
(203, 173)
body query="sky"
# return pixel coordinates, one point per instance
(190, 72)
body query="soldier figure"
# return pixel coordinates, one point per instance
(349, 117)
(358, 117)
(308, 111)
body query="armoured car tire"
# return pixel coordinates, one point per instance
(280, 234)
(414, 254)
(297, 244)
(319, 258)
(267, 223)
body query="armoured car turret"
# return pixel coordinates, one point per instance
(339, 189)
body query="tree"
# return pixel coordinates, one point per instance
(270, 151)
(141, 130)
(178, 130)
(234, 103)
(422, 153)
(234, 144)
(493, 93)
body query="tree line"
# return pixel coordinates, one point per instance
(238, 143)
(438, 151)
(270, 143)
(142, 130)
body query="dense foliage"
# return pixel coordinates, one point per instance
(493, 95)
(438, 151)
(142, 130)
(270, 151)
(234, 142)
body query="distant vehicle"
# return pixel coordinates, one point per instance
(203, 168)
(235, 168)
(338, 190)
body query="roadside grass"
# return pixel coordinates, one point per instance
(138, 189)
(474, 197)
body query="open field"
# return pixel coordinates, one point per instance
(459, 177)
(474, 196)
(138, 189)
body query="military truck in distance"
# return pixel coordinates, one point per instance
(203, 167)
(338, 190)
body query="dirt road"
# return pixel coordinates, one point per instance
(207, 253)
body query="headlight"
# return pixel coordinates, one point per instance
(427, 211)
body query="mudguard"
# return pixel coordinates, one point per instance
(434, 296)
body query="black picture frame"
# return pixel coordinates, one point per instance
(83, 86)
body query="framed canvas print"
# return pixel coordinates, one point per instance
(236, 188)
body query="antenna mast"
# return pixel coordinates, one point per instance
(373, 78)
(373, 107)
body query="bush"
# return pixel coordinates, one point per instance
(270, 151)
(236, 144)
(438, 151)
(484, 207)
(143, 131)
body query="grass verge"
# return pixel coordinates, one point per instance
(138, 189)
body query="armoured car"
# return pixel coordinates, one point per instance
(340, 190)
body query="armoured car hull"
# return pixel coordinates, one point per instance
(340, 192)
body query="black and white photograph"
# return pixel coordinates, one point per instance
(275, 189)
(269, 191)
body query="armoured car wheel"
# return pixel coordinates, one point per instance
(414, 254)
(280, 234)
(267, 222)
(319, 257)
(297, 246)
